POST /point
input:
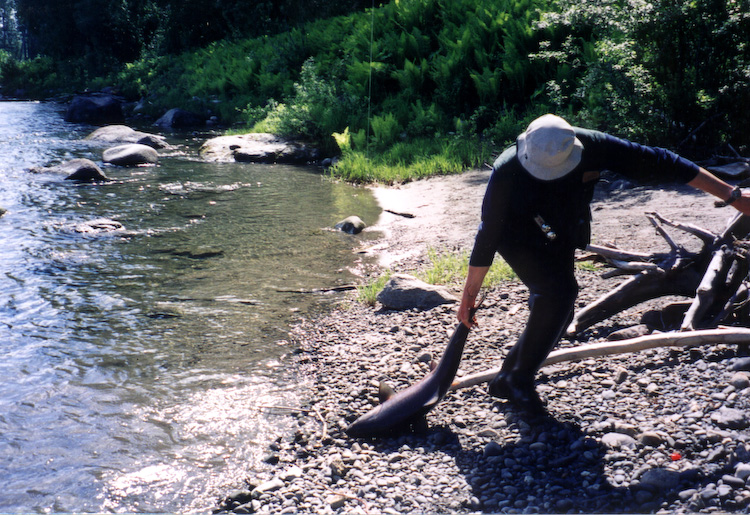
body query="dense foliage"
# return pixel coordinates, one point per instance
(106, 32)
(416, 87)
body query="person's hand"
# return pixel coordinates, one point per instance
(464, 312)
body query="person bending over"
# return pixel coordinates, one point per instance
(536, 212)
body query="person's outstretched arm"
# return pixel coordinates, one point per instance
(471, 290)
(711, 184)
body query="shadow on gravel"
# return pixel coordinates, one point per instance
(554, 467)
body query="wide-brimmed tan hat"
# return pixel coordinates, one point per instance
(549, 148)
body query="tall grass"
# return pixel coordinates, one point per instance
(445, 268)
(450, 268)
(406, 161)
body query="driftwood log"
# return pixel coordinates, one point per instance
(652, 341)
(716, 278)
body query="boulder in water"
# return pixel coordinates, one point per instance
(257, 148)
(351, 225)
(131, 155)
(120, 134)
(179, 118)
(78, 170)
(95, 108)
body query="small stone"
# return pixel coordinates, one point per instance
(292, 473)
(740, 381)
(618, 441)
(244, 509)
(338, 468)
(629, 332)
(733, 481)
(336, 502)
(724, 491)
(686, 495)
(271, 459)
(651, 438)
(621, 375)
(492, 449)
(268, 486)
(538, 446)
(488, 433)
(742, 471)
(740, 364)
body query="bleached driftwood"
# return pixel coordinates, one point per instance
(733, 335)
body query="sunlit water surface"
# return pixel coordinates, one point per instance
(137, 363)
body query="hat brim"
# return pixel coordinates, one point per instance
(547, 172)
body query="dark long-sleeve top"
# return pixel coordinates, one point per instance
(516, 202)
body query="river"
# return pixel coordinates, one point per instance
(137, 363)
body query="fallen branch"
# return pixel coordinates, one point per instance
(613, 253)
(346, 287)
(702, 234)
(405, 215)
(596, 350)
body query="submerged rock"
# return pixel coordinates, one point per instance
(78, 170)
(131, 155)
(351, 225)
(119, 134)
(98, 226)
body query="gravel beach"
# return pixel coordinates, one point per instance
(661, 431)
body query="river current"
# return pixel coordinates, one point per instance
(138, 364)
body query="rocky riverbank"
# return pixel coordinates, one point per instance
(661, 431)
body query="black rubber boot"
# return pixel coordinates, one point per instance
(548, 318)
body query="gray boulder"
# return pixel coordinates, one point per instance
(179, 118)
(257, 148)
(120, 134)
(95, 108)
(78, 170)
(351, 225)
(404, 291)
(730, 418)
(130, 155)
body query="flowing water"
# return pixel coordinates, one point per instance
(138, 359)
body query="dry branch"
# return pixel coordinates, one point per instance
(678, 272)
(652, 341)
